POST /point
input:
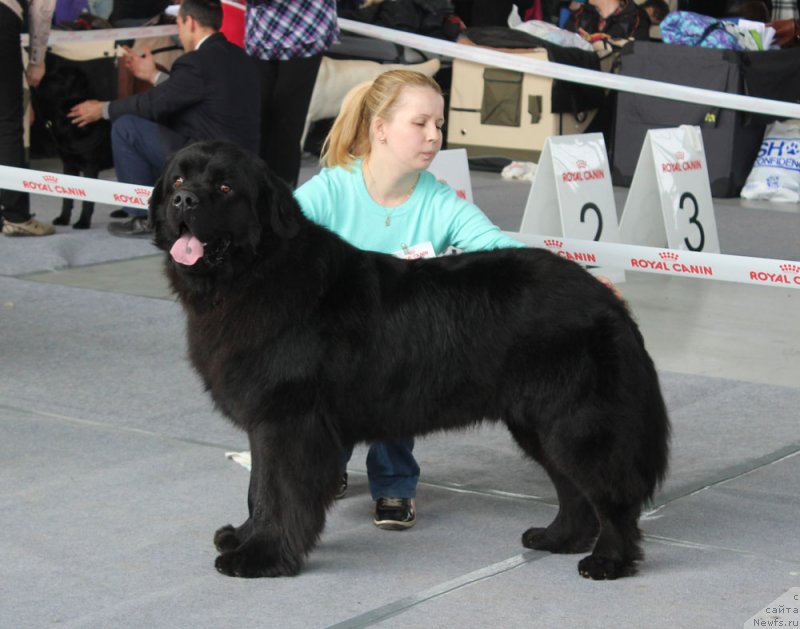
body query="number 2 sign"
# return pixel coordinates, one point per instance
(669, 201)
(571, 195)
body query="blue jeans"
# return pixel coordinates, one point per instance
(392, 470)
(140, 152)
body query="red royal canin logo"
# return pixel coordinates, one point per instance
(50, 185)
(680, 155)
(669, 262)
(557, 247)
(580, 164)
(789, 275)
(140, 197)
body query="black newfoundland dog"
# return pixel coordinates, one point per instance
(83, 150)
(311, 345)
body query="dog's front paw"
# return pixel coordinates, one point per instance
(253, 560)
(61, 220)
(225, 539)
(230, 537)
(536, 539)
(604, 568)
(81, 224)
(545, 539)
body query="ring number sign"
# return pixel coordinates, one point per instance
(572, 195)
(669, 202)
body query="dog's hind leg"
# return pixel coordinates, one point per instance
(67, 204)
(66, 213)
(293, 481)
(575, 526)
(617, 548)
(85, 220)
(87, 207)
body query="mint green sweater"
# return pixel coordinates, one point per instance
(338, 199)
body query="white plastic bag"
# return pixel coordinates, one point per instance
(554, 35)
(522, 171)
(776, 172)
(751, 35)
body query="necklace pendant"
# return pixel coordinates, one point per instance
(388, 220)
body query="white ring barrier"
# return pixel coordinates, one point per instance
(714, 266)
(107, 34)
(678, 263)
(490, 57)
(73, 187)
(549, 69)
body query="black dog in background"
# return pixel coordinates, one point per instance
(83, 151)
(311, 345)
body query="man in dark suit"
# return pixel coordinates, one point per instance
(212, 93)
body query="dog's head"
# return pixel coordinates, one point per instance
(217, 207)
(63, 86)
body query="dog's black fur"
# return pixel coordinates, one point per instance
(311, 345)
(83, 150)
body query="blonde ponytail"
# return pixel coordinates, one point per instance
(348, 138)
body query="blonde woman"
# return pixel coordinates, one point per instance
(376, 193)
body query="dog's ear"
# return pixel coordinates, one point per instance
(279, 202)
(154, 217)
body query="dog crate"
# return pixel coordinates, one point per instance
(494, 111)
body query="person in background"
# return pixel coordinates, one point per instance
(785, 19)
(785, 10)
(375, 192)
(614, 19)
(15, 212)
(656, 10)
(287, 38)
(212, 93)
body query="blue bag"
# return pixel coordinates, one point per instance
(692, 29)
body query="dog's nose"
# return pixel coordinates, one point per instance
(185, 200)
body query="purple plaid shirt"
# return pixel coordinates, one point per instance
(785, 9)
(290, 29)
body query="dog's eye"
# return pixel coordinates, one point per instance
(225, 188)
(178, 182)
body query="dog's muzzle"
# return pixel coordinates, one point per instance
(185, 201)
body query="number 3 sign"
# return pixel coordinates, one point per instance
(669, 201)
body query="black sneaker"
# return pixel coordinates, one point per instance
(395, 514)
(134, 228)
(342, 487)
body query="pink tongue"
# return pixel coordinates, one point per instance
(187, 250)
